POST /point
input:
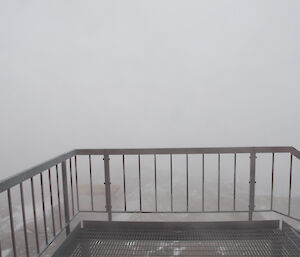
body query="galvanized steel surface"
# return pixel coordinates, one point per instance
(136, 241)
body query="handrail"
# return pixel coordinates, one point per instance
(207, 150)
(24, 175)
(295, 152)
(27, 174)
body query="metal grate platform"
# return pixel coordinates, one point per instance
(171, 239)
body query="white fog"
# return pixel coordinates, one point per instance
(148, 74)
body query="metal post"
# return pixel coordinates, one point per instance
(252, 184)
(24, 220)
(155, 182)
(51, 202)
(66, 198)
(234, 182)
(34, 217)
(171, 171)
(44, 208)
(71, 183)
(219, 181)
(272, 183)
(290, 187)
(187, 183)
(11, 218)
(58, 197)
(140, 185)
(124, 183)
(203, 182)
(76, 177)
(107, 186)
(91, 183)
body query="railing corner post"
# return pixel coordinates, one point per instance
(107, 186)
(252, 184)
(66, 198)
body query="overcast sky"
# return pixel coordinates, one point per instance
(165, 73)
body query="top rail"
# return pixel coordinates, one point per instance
(27, 174)
(208, 150)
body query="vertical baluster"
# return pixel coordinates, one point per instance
(76, 177)
(203, 182)
(155, 183)
(58, 197)
(91, 183)
(219, 180)
(71, 180)
(124, 182)
(24, 219)
(272, 182)
(107, 186)
(290, 185)
(11, 218)
(34, 217)
(44, 210)
(187, 182)
(140, 187)
(66, 196)
(51, 202)
(171, 171)
(234, 181)
(252, 185)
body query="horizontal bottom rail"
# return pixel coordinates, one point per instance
(291, 217)
(158, 225)
(175, 212)
(50, 241)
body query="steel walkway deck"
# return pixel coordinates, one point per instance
(181, 239)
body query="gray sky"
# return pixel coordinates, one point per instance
(164, 73)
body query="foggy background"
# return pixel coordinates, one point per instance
(102, 74)
(130, 74)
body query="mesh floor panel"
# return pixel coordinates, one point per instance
(249, 242)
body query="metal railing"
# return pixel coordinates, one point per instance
(67, 192)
